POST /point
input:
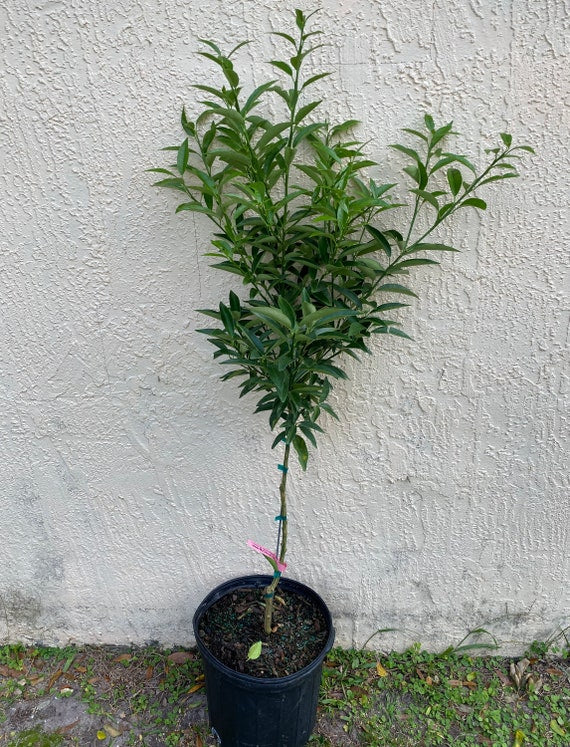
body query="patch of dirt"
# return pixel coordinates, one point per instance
(235, 622)
(53, 714)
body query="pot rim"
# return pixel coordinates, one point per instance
(258, 581)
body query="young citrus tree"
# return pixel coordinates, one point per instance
(316, 243)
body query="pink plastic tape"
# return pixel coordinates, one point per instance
(268, 554)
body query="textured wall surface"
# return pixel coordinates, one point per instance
(132, 477)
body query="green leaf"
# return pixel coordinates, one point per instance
(287, 309)
(173, 183)
(227, 319)
(380, 238)
(234, 374)
(230, 267)
(254, 339)
(211, 45)
(428, 119)
(279, 438)
(408, 152)
(296, 61)
(238, 46)
(283, 66)
(330, 370)
(498, 177)
(440, 133)
(307, 308)
(68, 662)
(445, 210)
(194, 207)
(187, 125)
(280, 380)
(416, 262)
(398, 333)
(389, 306)
(416, 133)
(453, 158)
(209, 56)
(423, 247)
(271, 133)
(326, 315)
(235, 304)
(372, 264)
(162, 171)
(308, 433)
(314, 79)
(210, 312)
(557, 729)
(229, 72)
(254, 651)
(348, 124)
(239, 160)
(455, 180)
(300, 447)
(506, 138)
(427, 196)
(348, 294)
(304, 132)
(395, 288)
(255, 95)
(474, 202)
(268, 312)
(304, 110)
(285, 36)
(182, 159)
(209, 137)
(285, 95)
(312, 172)
(396, 235)
(212, 91)
(423, 175)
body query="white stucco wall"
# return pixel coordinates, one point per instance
(132, 478)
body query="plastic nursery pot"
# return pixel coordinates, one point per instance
(248, 711)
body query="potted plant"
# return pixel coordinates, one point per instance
(323, 261)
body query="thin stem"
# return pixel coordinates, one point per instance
(465, 194)
(412, 222)
(283, 509)
(418, 204)
(269, 591)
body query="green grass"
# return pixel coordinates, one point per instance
(367, 698)
(417, 697)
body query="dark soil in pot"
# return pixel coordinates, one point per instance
(233, 623)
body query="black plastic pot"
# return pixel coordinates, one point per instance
(248, 711)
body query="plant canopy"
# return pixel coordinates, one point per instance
(323, 250)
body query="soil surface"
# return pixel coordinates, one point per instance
(235, 622)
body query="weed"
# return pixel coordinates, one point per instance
(417, 697)
(11, 656)
(556, 644)
(36, 738)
